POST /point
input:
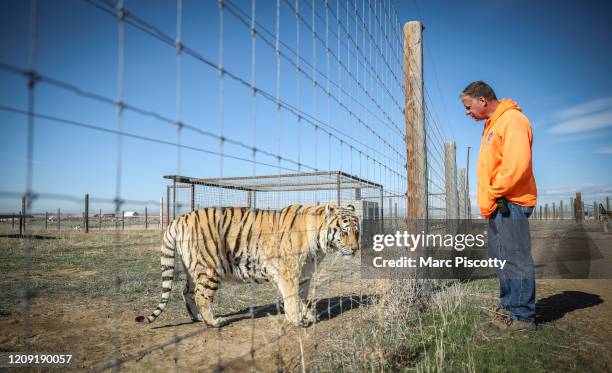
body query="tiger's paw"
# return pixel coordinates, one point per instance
(307, 320)
(218, 322)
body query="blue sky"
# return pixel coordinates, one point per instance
(553, 59)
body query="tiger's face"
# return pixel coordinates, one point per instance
(344, 230)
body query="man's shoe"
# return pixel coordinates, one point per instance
(495, 313)
(510, 325)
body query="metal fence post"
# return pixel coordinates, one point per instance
(168, 206)
(161, 213)
(338, 189)
(381, 224)
(173, 199)
(192, 197)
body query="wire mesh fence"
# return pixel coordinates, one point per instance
(263, 105)
(213, 90)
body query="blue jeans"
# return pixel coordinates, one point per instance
(509, 240)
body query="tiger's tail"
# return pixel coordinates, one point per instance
(168, 250)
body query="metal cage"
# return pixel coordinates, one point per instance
(274, 192)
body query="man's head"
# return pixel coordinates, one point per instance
(479, 100)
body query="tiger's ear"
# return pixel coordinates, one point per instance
(328, 211)
(351, 207)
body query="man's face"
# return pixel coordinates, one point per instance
(475, 107)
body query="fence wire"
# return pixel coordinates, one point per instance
(208, 90)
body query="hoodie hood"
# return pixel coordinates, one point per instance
(505, 104)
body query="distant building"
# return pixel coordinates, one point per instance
(130, 214)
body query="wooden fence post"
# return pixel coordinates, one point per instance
(462, 196)
(22, 222)
(86, 215)
(416, 152)
(578, 211)
(450, 177)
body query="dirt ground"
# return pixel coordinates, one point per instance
(93, 332)
(98, 330)
(575, 289)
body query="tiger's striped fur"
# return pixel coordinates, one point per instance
(253, 245)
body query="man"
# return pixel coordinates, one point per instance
(506, 196)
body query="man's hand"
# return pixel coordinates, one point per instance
(502, 206)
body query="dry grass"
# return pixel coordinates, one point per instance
(365, 325)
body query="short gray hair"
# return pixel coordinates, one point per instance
(478, 89)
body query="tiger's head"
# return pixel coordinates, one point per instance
(342, 229)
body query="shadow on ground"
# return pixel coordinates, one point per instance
(327, 309)
(556, 306)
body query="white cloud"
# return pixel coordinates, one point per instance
(571, 138)
(585, 108)
(605, 150)
(584, 123)
(590, 192)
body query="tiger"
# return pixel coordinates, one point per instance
(250, 245)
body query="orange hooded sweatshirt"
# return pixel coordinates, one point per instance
(504, 162)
